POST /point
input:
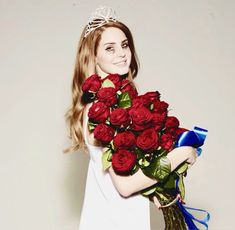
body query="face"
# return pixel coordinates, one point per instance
(113, 53)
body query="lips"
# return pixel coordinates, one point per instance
(121, 62)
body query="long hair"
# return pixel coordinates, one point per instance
(85, 67)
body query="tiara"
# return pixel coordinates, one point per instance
(101, 16)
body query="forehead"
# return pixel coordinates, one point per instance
(112, 34)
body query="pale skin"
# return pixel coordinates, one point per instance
(114, 56)
(128, 185)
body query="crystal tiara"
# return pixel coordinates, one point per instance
(101, 16)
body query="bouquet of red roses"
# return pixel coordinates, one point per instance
(138, 134)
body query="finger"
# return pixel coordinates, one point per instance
(156, 202)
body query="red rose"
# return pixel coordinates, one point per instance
(148, 140)
(140, 115)
(127, 86)
(141, 118)
(98, 112)
(152, 96)
(123, 161)
(179, 131)
(175, 132)
(140, 101)
(116, 79)
(159, 120)
(103, 133)
(124, 140)
(172, 122)
(92, 83)
(166, 141)
(107, 95)
(120, 117)
(160, 107)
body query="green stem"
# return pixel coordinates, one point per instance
(173, 217)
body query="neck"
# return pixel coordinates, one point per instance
(103, 74)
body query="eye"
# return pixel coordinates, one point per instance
(125, 45)
(109, 49)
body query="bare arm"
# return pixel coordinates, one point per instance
(128, 185)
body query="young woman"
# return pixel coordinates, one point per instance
(111, 201)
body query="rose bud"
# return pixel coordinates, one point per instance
(123, 161)
(140, 101)
(98, 112)
(124, 140)
(148, 140)
(120, 117)
(103, 133)
(158, 120)
(172, 122)
(127, 86)
(166, 141)
(92, 84)
(152, 96)
(108, 95)
(141, 115)
(160, 107)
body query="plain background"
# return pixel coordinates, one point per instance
(187, 53)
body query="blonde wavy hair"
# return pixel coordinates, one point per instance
(85, 67)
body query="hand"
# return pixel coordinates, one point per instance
(159, 206)
(192, 156)
(156, 202)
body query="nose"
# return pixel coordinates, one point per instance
(121, 52)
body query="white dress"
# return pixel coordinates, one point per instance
(103, 207)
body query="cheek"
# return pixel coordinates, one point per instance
(104, 60)
(129, 55)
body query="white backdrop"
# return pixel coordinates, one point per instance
(186, 50)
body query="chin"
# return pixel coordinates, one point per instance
(121, 71)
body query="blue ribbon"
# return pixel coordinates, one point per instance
(189, 218)
(194, 138)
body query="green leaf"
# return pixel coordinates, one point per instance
(143, 162)
(181, 186)
(159, 168)
(163, 168)
(139, 153)
(135, 169)
(91, 126)
(107, 83)
(159, 189)
(163, 198)
(148, 191)
(170, 182)
(107, 122)
(181, 169)
(124, 100)
(112, 145)
(106, 157)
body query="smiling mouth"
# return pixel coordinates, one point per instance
(121, 63)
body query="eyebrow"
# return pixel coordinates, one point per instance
(114, 42)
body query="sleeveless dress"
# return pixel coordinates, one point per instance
(103, 207)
